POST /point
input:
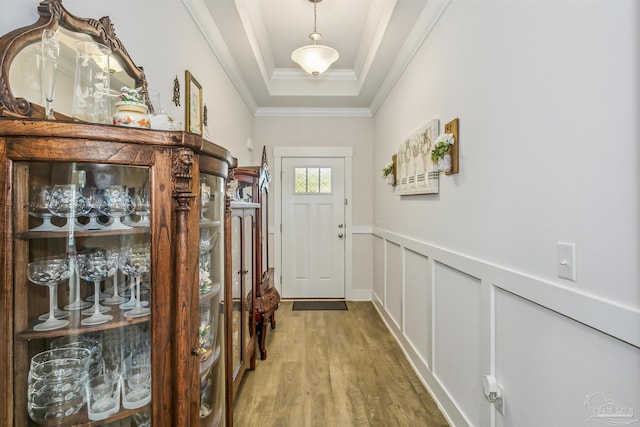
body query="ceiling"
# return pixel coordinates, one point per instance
(253, 39)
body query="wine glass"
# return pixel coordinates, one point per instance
(74, 286)
(142, 207)
(116, 203)
(67, 201)
(206, 241)
(50, 53)
(135, 263)
(49, 272)
(96, 267)
(116, 298)
(39, 198)
(205, 199)
(91, 194)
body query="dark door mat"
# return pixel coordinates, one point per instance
(319, 305)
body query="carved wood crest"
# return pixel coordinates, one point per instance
(181, 170)
(52, 16)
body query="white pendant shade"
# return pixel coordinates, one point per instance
(315, 59)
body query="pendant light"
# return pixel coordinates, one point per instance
(315, 58)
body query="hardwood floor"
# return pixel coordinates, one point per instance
(333, 368)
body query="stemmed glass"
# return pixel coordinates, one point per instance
(142, 207)
(66, 201)
(116, 298)
(135, 263)
(205, 198)
(49, 273)
(205, 241)
(96, 267)
(74, 284)
(116, 203)
(91, 194)
(39, 198)
(50, 53)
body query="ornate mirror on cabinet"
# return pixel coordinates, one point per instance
(42, 61)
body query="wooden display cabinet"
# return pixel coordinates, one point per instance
(92, 209)
(173, 168)
(253, 184)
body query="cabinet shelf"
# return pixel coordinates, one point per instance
(209, 223)
(75, 328)
(121, 415)
(208, 359)
(81, 233)
(81, 420)
(217, 417)
(244, 205)
(215, 290)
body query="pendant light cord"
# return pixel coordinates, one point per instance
(315, 17)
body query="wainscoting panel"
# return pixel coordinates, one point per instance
(418, 302)
(362, 268)
(563, 357)
(457, 307)
(550, 364)
(378, 269)
(394, 280)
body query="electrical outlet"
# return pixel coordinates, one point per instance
(493, 392)
(567, 261)
(500, 403)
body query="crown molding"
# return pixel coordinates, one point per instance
(209, 30)
(312, 112)
(299, 74)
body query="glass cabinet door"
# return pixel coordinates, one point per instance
(236, 294)
(242, 276)
(248, 269)
(211, 278)
(82, 293)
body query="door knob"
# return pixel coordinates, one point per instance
(341, 235)
(340, 225)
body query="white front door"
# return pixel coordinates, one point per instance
(313, 227)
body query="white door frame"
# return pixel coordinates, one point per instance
(347, 154)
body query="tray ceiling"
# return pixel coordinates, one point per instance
(253, 39)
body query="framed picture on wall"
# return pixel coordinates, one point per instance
(416, 172)
(193, 107)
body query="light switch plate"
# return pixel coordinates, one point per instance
(567, 260)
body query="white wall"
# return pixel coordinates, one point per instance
(331, 132)
(165, 42)
(548, 100)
